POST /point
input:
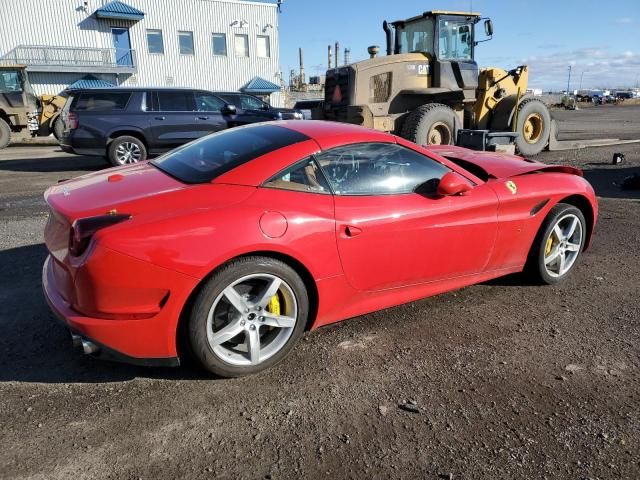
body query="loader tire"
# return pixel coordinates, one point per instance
(431, 124)
(58, 128)
(5, 133)
(533, 125)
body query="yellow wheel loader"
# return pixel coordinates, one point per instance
(429, 86)
(22, 113)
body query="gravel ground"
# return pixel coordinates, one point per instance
(502, 380)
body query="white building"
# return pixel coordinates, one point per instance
(209, 44)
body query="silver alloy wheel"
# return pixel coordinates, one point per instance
(128, 152)
(242, 326)
(563, 244)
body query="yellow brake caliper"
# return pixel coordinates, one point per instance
(547, 248)
(273, 306)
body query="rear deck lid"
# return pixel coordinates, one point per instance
(496, 164)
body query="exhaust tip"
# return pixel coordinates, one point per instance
(89, 347)
(76, 340)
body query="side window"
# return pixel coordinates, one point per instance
(302, 177)
(175, 101)
(250, 103)
(102, 101)
(455, 40)
(379, 169)
(205, 102)
(231, 99)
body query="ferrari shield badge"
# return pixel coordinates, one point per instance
(512, 187)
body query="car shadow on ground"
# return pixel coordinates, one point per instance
(54, 164)
(607, 180)
(35, 347)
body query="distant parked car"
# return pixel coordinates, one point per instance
(624, 95)
(307, 105)
(126, 125)
(254, 107)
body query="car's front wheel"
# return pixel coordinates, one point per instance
(558, 244)
(248, 316)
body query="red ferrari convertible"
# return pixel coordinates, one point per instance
(236, 243)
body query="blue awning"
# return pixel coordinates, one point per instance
(89, 81)
(120, 11)
(260, 85)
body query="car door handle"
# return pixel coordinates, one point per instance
(160, 118)
(351, 231)
(203, 118)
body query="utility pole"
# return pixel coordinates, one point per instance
(569, 80)
(582, 75)
(337, 54)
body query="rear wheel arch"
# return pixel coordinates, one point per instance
(295, 264)
(129, 133)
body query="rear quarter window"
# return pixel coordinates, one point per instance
(102, 101)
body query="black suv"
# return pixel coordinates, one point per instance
(126, 125)
(253, 106)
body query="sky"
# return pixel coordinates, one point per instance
(600, 40)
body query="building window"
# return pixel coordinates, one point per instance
(264, 48)
(242, 45)
(219, 42)
(185, 43)
(154, 41)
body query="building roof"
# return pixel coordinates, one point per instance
(119, 10)
(260, 85)
(89, 82)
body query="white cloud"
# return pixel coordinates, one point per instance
(601, 66)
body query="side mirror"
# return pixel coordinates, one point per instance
(229, 109)
(453, 184)
(265, 106)
(488, 27)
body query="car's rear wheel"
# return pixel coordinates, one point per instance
(248, 316)
(558, 245)
(126, 150)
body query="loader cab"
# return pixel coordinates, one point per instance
(448, 40)
(15, 89)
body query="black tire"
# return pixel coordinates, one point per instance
(433, 120)
(5, 133)
(536, 112)
(536, 267)
(57, 128)
(113, 153)
(213, 289)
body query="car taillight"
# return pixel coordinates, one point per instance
(72, 121)
(83, 229)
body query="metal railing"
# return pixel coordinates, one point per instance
(51, 56)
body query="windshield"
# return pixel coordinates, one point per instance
(416, 36)
(10, 81)
(454, 39)
(207, 158)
